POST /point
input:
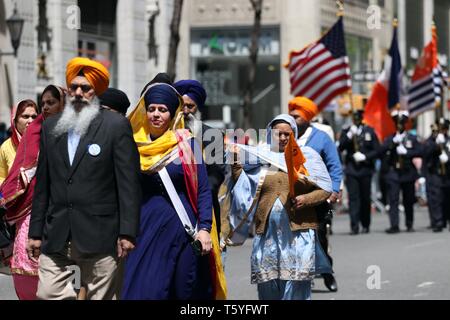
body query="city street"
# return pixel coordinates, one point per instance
(411, 265)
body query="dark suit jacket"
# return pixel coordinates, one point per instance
(96, 199)
(368, 144)
(214, 167)
(431, 164)
(408, 171)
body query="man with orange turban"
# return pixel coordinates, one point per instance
(94, 72)
(304, 110)
(87, 197)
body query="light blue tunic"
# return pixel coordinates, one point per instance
(282, 254)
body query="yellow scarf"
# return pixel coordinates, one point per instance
(151, 152)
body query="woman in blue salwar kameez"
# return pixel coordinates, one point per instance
(164, 264)
(286, 253)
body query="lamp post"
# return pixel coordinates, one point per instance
(15, 26)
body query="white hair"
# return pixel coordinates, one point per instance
(193, 122)
(77, 121)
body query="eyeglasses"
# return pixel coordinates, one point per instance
(84, 87)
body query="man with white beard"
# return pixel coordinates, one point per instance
(87, 199)
(211, 139)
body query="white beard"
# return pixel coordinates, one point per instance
(79, 122)
(194, 123)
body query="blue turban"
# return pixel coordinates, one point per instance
(165, 94)
(193, 89)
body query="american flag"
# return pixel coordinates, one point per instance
(428, 80)
(321, 71)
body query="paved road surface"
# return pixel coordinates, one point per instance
(412, 265)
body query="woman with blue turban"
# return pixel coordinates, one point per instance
(175, 255)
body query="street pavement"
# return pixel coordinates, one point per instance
(370, 266)
(407, 265)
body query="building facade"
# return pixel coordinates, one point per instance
(131, 38)
(113, 32)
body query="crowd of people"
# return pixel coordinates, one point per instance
(132, 199)
(403, 161)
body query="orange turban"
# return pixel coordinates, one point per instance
(306, 107)
(95, 73)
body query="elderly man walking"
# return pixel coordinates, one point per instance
(87, 199)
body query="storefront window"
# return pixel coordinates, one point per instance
(97, 37)
(221, 64)
(359, 51)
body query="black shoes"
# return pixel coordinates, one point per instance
(437, 229)
(392, 230)
(330, 282)
(354, 232)
(410, 229)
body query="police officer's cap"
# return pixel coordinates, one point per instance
(402, 114)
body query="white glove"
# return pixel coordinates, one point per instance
(440, 139)
(359, 157)
(398, 138)
(401, 150)
(443, 158)
(352, 131)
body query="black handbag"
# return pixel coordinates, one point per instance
(324, 213)
(7, 232)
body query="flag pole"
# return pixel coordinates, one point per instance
(340, 6)
(397, 106)
(341, 13)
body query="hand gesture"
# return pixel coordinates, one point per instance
(440, 139)
(124, 246)
(352, 131)
(205, 239)
(443, 158)
(401, 150)
(335, 197)
(298, 202)
(34, 249)
(359, 157)
(398, 138)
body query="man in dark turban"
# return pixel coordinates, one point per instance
(212, 140)
(116, 100)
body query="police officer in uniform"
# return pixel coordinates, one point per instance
(437, 166)
(399, 150)
(361, 147)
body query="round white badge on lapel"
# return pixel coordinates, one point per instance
(94, 150)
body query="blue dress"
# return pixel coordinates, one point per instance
(163, 264)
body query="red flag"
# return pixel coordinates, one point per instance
(377, 114)
(386, 94)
